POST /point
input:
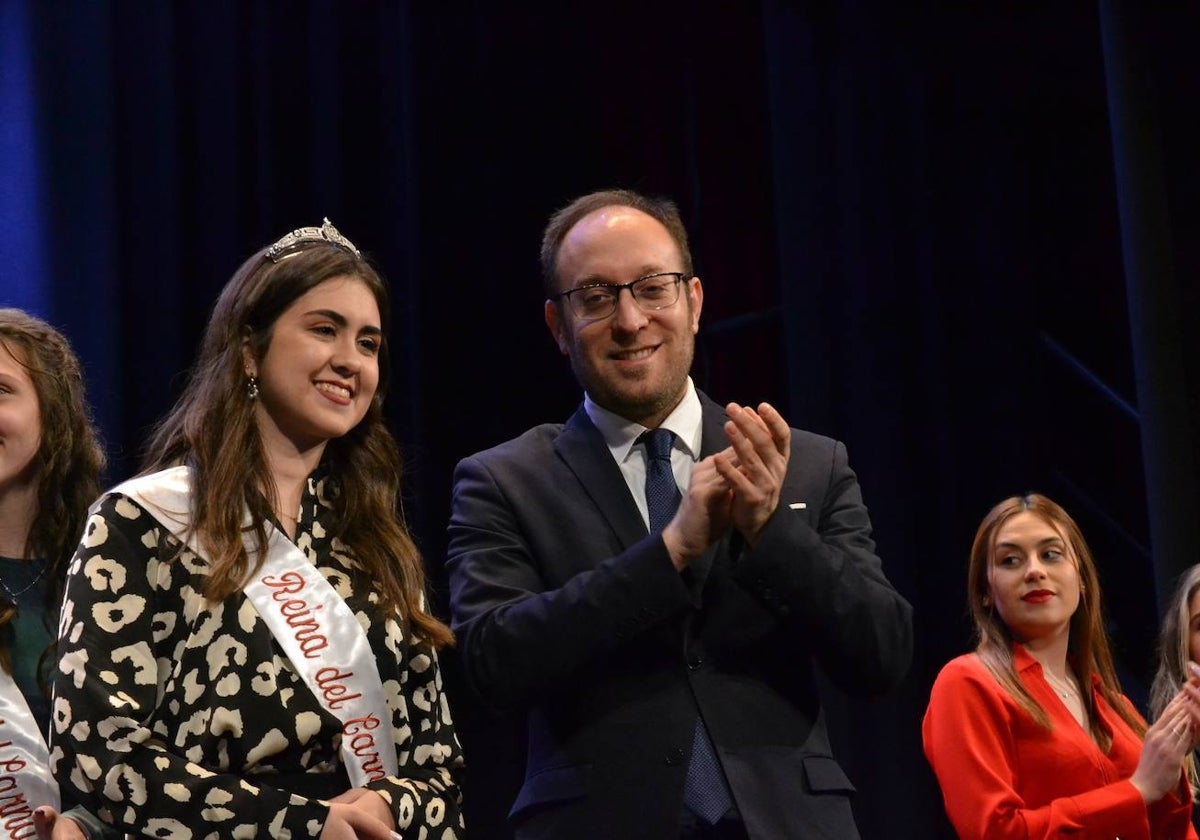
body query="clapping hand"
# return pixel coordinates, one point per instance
(755, 464)
(1175, 734)
(703, 514)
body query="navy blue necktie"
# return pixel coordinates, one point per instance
(662, 493)
(705, 791)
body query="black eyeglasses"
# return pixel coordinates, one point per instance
(599, 300)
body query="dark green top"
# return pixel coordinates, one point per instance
(29, 634)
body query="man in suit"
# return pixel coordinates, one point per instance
(658, 602)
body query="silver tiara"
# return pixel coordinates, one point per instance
(290, 244)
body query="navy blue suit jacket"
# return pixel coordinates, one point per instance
(564, 606)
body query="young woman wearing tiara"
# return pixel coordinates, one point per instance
(245, 650)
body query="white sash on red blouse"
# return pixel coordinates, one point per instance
(25, 780)
(312, 623)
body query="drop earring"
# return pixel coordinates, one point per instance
(252, 388)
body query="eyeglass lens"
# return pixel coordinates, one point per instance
(658, 291)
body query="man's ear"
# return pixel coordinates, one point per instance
(695, 295)
(556, 326)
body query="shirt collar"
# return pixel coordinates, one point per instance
(685, 420)
(1023, 661)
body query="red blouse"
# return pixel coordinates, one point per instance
(1003, 775)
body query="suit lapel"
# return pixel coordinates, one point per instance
(712, 427)
(583, 449)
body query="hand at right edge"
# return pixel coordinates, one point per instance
(1168, 740)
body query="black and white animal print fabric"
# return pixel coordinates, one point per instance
(178, 718)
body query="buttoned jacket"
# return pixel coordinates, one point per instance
(565, 607)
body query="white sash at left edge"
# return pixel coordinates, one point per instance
(25, 780)
(312, 623)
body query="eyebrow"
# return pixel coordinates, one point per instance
(601, 280)
(340, 319)
(1047, 541)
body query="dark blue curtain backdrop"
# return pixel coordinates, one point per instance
(20, 205)
(962, 241)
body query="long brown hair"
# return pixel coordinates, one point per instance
(69, 459)
(212, 429)
(1174, 653)
(1088, 651)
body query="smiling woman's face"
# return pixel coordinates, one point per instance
(20, 421)
(321, 368)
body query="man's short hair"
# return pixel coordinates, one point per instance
(662, 210)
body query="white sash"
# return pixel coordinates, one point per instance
(312, 623)
(25, 780)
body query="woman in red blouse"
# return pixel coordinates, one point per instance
(1030, 735)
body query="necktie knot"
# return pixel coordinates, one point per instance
(658, 444)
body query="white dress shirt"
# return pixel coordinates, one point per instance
(622, 435)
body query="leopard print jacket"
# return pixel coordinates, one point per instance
(177, 718)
